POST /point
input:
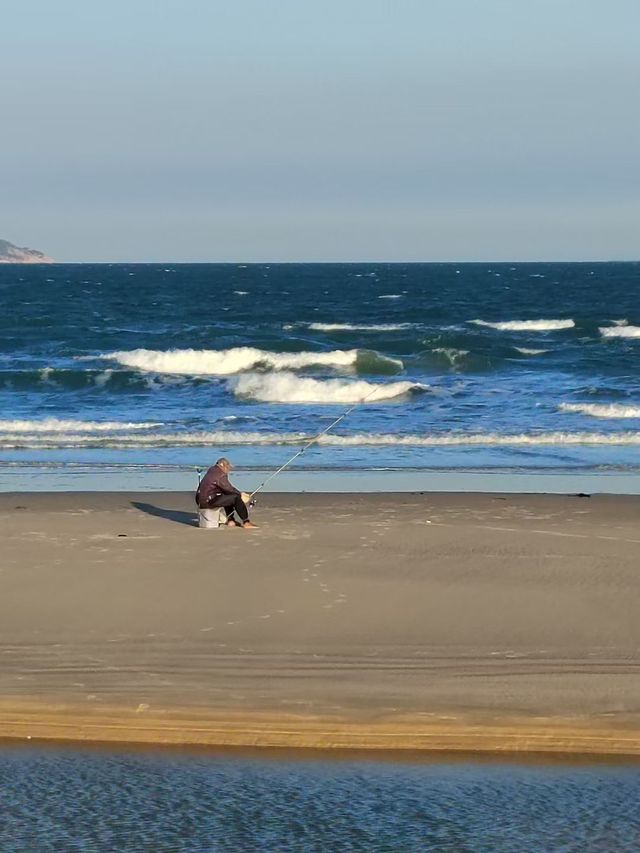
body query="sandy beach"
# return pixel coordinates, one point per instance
(413, 621)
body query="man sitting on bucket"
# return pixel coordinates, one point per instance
(215, 491)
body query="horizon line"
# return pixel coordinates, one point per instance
(331, 262)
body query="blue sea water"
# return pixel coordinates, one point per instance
(469, 367)
(61, 800)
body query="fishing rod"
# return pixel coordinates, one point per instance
(315, 439)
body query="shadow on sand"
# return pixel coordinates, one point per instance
(180, 517)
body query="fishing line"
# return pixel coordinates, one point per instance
(315, 439)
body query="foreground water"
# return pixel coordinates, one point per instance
(63, 800)
(476, 366)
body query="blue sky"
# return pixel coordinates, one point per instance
(336, 130)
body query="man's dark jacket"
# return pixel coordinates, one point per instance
(214, 483)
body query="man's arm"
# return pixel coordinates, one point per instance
(225, 486)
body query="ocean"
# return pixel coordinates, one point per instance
(57, 799)
(458, 367)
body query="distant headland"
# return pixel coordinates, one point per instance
(10, 254)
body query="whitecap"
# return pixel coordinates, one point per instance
(527, 325)
(349, 327)
(103, 378)
(601, 410)
(50, 425)
(620, 331)
(452, 355)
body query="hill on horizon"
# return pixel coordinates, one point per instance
(12, 254)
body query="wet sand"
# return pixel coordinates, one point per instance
(440, 621)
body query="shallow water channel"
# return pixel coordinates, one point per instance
(59, 799)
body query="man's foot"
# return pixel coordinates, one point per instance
(249, 525)
(231, 523)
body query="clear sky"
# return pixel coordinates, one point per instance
(201, 130)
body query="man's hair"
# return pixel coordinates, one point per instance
(223, 462)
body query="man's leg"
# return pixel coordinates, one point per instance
(241, 509)
(225, 502)
(231, 504)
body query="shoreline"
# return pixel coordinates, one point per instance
(34, 477)
(411, 623)
(263, 734)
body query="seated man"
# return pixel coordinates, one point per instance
(215, 490)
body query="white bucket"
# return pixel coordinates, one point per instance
(211, 519)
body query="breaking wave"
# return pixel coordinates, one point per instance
(289, 388)
(191, 362)
(620, 331)
(228, 438)
(528, 351)
(527, 325)
(601, 410)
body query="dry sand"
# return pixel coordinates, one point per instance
(374, 621)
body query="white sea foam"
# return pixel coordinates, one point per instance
(527, 325)
(620, 331)
(348, 327)
(601, 410)
(451, 353)
(391, 296)
(289, 388)
(528, 351)
(229, 438)
(103, 378)
(486, 439)
(194, 362)
(49, 425)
